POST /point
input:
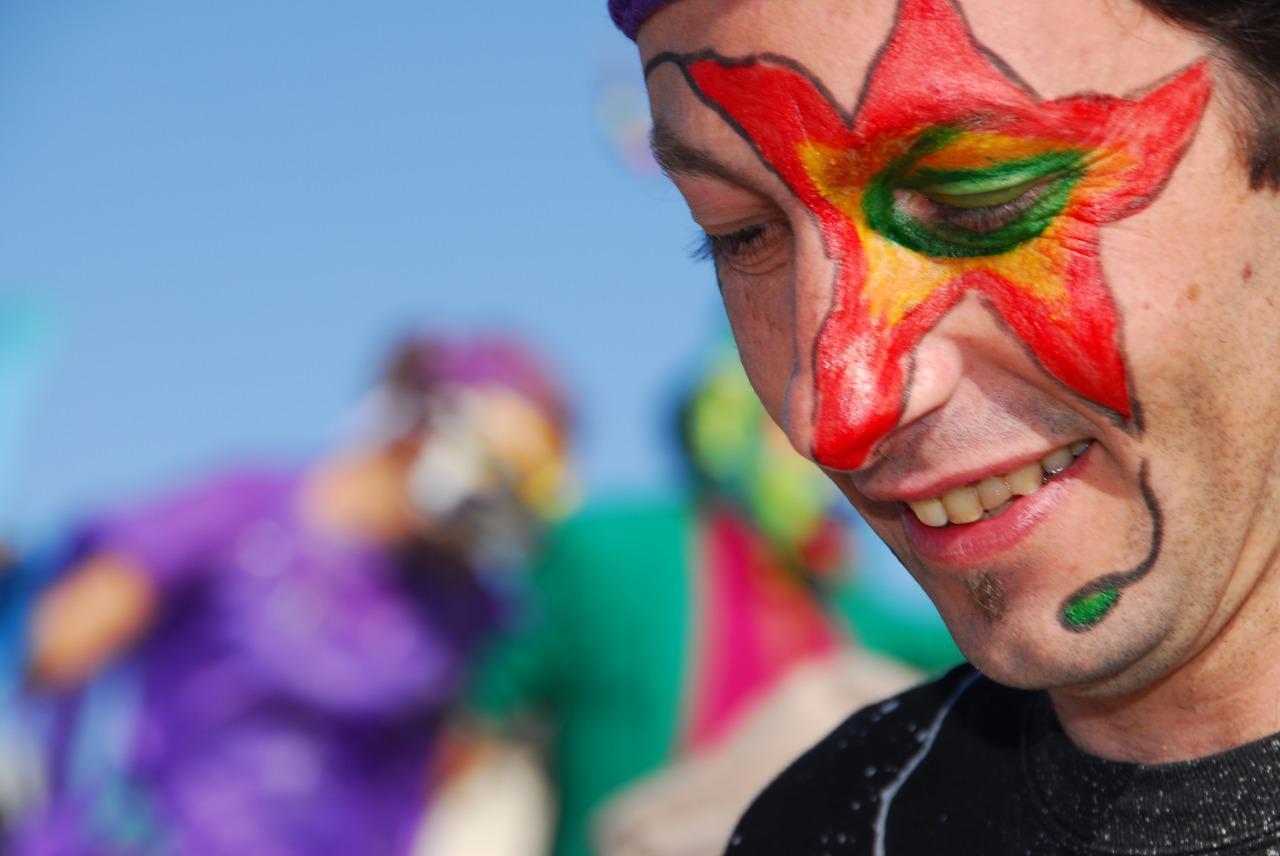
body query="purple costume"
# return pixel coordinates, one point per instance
(292, 686)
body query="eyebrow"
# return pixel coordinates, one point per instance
(677, 157)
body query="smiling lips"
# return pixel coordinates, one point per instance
(992, 496)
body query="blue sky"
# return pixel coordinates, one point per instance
(230, 206)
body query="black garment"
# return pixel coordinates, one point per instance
(966, 766)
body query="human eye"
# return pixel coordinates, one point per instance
(756, 249)
(963, 213)
(981, 211)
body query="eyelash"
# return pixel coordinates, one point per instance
(981, 220)
(713, 248)
(753, 251)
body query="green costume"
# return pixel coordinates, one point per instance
(608, 653)
(656, 625)
(601, 653)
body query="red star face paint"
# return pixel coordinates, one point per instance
(951, 176)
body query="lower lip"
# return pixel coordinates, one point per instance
(971, 543)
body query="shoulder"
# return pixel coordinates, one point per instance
(243, 485)
(835, 788)
(226, 489)
(620, 532)
(633, 517)
(164, 528)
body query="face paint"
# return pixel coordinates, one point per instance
(450, 468)
(1084, 609)
(952, 176)
(490, 470)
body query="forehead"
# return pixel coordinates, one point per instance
(1057, 47)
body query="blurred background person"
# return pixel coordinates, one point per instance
(658, 627)
(208, 194)
(296, 635)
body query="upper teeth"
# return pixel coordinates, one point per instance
(968, 503)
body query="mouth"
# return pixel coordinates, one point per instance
(972, 521)
(992, 496)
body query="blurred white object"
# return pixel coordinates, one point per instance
(22, 782)
(691, 807)
(501, 805)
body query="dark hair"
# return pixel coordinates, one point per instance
(1247, 35)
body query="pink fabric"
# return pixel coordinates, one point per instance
(757, 621)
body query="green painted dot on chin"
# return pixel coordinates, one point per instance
(1086, 611)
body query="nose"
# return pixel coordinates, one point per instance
(937, 364)
(859, 376)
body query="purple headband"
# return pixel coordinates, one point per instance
(423, 362)
(630, 14)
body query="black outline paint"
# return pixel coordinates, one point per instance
(1121, 580)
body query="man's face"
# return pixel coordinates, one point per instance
(999, 271)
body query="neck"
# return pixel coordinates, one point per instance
(1222, 697)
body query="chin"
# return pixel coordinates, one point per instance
(1116, 657)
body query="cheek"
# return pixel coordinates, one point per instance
(761, 314)
(1194, 277)
(1175, 267)
(1196, 331)
(1175, 272)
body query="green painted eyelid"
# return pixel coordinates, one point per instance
(1001, 182)
(997, 174)
(971, 189)
(944, 195)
